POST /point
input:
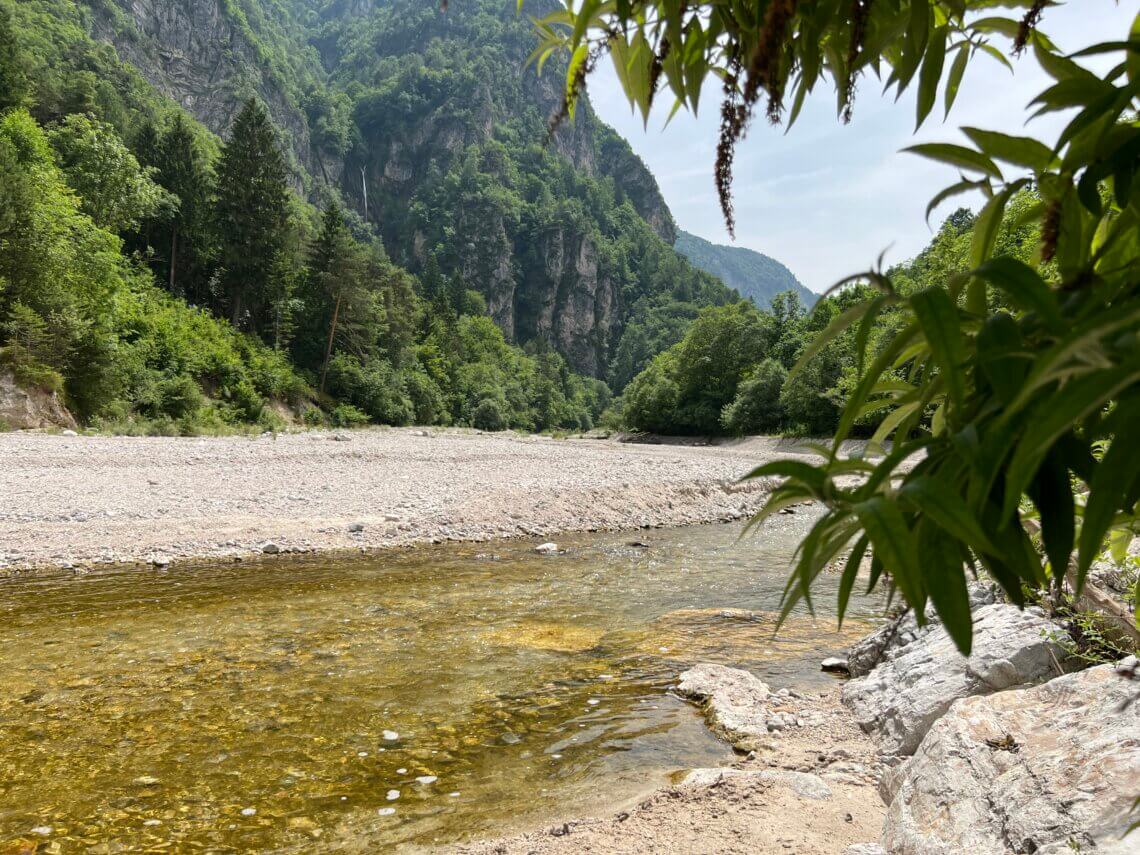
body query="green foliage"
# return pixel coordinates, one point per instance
(116, 192)
(251, 216)
(14, 85)
(490, 415)
(757, 407)
(997, 385)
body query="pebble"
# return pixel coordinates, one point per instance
(427, 779)
(388, 811)
(270, 548)
(393, 795)
(249, 811)
(401, 771)
(390, 735)
(356, 527)
(44, 830)
(546, 548)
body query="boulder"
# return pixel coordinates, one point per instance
(897, 633)
(734, 702)
(22, 408)
(905, 694)
(1050, 769)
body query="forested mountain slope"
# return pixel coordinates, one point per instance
(434, 116)
(755, 275)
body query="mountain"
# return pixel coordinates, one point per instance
(755, 275)
(431, 127)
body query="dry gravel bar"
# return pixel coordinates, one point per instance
(82, 500)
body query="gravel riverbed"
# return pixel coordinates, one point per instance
(76, 501)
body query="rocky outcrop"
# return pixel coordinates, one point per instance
(904, 695)
(1049, 769)
(734, 702)
(897, 633)
(22, 408)
(204, 56)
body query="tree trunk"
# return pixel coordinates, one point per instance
(173, 256)
(329, 346)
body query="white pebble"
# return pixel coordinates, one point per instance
(454, 795)
(393, 795)
(593, 702)
(386, 811)
(391, 735)
(361, 753)
(427, 779)
(556, 756)
(249, 811)
(401, 771)
(153, 822)
(42, 830)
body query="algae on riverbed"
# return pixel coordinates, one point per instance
(274, 705)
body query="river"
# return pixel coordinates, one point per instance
(389, 701)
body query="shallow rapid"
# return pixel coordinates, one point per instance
(401, 699)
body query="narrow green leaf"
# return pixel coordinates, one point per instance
(938, 317)
(942, 503)
(850, 573)
(957, 155)
(1114, 475)
(1052, 493)
(1024, 287)
(1022, 151)
(930, 75)
(894, 545)
(954, 81)
(946, 584)
(986, 228)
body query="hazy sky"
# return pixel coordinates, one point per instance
(826, 198)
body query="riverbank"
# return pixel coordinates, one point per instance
(807, 790)
(75, 501)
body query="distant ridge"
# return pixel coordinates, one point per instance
(753, 274)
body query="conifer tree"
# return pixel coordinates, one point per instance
(183, 236)
(251, 217)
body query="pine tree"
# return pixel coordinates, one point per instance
(14, 89)
(183, 239)
(251, 216)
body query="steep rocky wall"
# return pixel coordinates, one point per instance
(197, 53)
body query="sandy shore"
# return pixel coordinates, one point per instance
(83, 500)
(810, 791)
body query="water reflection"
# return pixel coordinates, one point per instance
(407, 699)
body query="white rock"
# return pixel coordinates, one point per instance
(390, 735)
(733, 701)
(249, 811)
(1063, 781)
(69, 432)
(864, 849)
(387, 811)
(427, 779)
(801, 783)
(546, 548)
(44, 830)
(834, 664)
(899, 701)
(393, 795)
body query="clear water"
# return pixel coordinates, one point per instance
(245, 707)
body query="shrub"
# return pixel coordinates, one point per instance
(348, 416)
(490, 415)
(756, 407)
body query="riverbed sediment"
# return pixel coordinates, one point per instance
(82, 500)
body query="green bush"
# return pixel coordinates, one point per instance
(490, 415)
(347, 416)
(756, 407)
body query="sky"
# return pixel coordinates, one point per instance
(826, 198)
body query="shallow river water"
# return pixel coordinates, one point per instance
(391, 701)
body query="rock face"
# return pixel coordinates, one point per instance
(896, 634)
(899, 701)
(1054, 768)
(30, 408)
(733, 700)
(203, 54)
